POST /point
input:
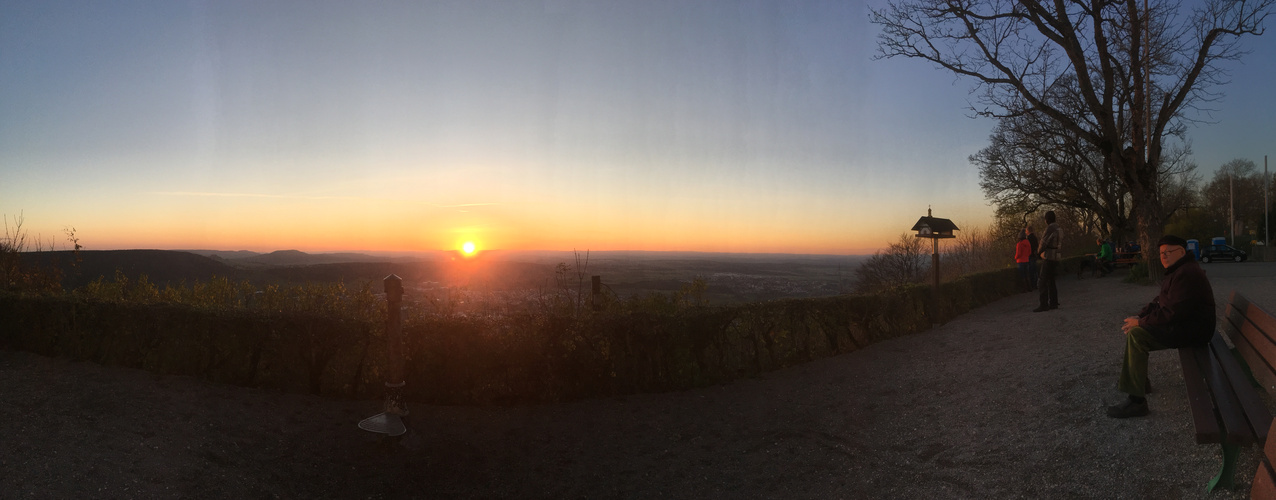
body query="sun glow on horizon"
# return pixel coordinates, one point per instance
(468, 248)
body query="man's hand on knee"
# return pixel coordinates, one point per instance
(1130, 323)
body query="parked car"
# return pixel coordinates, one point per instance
(1222, 252)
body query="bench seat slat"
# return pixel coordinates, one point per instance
(1264, 485)
(1269, 449)
(1198, 396)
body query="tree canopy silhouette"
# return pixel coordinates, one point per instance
(1109, 80)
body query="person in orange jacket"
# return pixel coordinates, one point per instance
(1023, 257)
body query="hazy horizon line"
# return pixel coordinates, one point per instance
(402, 253)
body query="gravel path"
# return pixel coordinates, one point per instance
(999, 403)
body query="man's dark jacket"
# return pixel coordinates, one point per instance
(1183, 313)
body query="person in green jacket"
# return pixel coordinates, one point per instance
(1101, 262)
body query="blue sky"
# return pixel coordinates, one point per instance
(323, 126)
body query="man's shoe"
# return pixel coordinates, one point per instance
(1041, 309)
(1128, 409)
(1056, 306)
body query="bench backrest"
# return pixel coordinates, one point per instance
(1253, 332)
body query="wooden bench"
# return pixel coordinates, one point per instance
(1226, 407)
(1253, 330)
(1128, 258)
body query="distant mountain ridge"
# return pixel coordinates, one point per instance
(287, 257)
(730, 279)
(160, 266)
(174, 267)
(223, 254)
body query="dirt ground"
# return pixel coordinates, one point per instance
(999, 403)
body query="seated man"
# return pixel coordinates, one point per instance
(1100, 262)
(1182, 315)
(1106, 257)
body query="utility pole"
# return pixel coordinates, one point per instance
(1231, 206)
(1147, 82)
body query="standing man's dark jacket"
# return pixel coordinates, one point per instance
(1183, 313)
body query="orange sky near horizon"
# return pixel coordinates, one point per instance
(325, 126)
(318, 225)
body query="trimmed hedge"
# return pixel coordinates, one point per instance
(530, 357)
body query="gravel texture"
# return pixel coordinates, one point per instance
(999, 403)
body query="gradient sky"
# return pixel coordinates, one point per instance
(727, 126)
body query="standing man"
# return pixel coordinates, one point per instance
(1050, 254)
(1182, 315)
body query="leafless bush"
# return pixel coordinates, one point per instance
(902, 263)
(15, 276)
(975, 250)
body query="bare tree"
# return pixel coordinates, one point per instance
(1129, 71)
(1029, 164)
(1236, 191)
(976, 250)
(903, 262)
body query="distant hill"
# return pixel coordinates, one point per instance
(299, 258)
(164, 267)
(730, 278)
(223, 254)
(160, 266)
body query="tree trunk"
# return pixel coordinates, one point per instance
(1150, 223)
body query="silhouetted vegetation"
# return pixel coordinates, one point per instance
(908, 260)
(21, 273)
(467, 342)
(1093, 99)
(464, 346)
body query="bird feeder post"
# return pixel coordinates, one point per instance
(936, 229)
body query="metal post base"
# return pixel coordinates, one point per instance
(390, 421)
(384, 423)
(394, 399)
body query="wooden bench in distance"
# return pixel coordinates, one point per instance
(1252, 331)
(1128, 258)
(1226, 408)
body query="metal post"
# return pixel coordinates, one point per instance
(394, 346)
(1267, 210)
(390, 421)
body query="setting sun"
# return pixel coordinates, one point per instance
(468, 248)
